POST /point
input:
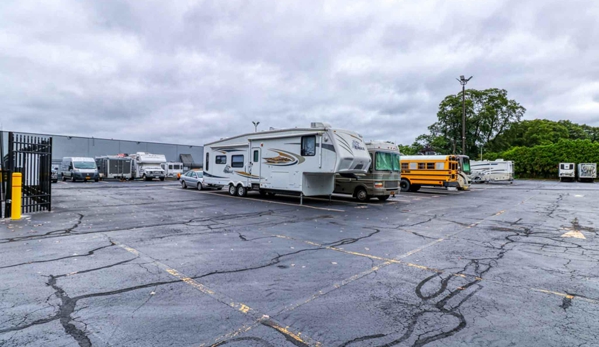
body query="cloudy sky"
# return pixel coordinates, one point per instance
(194, 71)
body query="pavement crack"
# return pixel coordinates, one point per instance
(66, 308)
(61, 258)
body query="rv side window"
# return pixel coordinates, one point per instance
(430, 166)
(309, 145)
(220, 159)
(421, 166)
(207, 161)
(413, 166)
(256, 156)
(237, 161)
(404, 166)
(170, 167)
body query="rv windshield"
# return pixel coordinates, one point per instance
(86, 165)
(386, 161)
(466, 165)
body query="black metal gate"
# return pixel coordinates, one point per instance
(32, 157)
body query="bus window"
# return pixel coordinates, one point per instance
(404, 166)
(430, 166)
(413, 166)
(421, 166)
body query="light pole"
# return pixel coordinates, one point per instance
(255, 126)
(463, 82)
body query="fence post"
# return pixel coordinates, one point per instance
(17, 182)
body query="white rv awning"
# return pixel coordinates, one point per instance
(283, 135)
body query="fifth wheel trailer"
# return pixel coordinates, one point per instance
(300, 161)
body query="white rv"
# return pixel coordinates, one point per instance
(172, 169)
(148, 166)
(567, 171)
(489, 171)
(302, 161)
(587, 172)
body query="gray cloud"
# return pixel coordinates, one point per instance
(193, 72)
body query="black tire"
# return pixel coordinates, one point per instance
(97, 180)
(262, 193)
(63, 178)
(162, 178)
(55, 181)
(405, 185)
(73, 179)
(232, 190)
(361, 194)
(383, 197)
(242, 191)
(271, 194)
(200, 187)
(183, 185)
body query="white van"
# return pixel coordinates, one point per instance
(79, 168)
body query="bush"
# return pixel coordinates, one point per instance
(542, 161)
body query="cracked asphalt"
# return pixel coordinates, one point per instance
(151, 264)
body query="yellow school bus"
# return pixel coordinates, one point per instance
(434, 170)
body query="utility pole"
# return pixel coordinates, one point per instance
(255, 126)
(463, 82)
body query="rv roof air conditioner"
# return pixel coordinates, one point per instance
(319, 125)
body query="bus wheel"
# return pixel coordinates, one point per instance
(383, 197)
(404, 185)
(361, 194)
(232, 190)
(242, 191)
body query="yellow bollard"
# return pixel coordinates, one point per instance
(15, 206)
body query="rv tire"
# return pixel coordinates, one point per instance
(242, 191)
(232, 190)
(404, 185)
(383, 197)
(270, 194)
(262, 192)
(361, 194)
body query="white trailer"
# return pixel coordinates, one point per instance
(300, 161)
(148, 166)
(491, 171)
(587, 172)
(172, 169)
(567, 171)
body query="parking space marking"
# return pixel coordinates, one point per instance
(259, 317)
(259, 200)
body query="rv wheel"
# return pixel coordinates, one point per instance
(232, 190)
(383, 197)
(404, 185)
(242, 191)
(361, 194)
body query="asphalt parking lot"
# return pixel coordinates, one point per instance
(151, 264)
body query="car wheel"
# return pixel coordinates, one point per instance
(242, 191)
(404, 185)
(361, 194)
(63, 178)
(72, 178)
(232, 190)
(183, 185)
(383, 197)
(200, 186)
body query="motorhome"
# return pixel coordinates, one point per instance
(79, 168)
(567, 171)
(492, 171)
(300, 161)
(448, 171)
(172, 169)
(115, 167)
(147, 166)
(382, 178)
(587, 172)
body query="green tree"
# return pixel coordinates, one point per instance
(489, 113)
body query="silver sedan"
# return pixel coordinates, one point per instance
(192, 179)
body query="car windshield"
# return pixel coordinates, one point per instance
(84, 165)
(386, 161)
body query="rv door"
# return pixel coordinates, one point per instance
(255, 167)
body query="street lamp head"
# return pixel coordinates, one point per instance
(462, 77)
